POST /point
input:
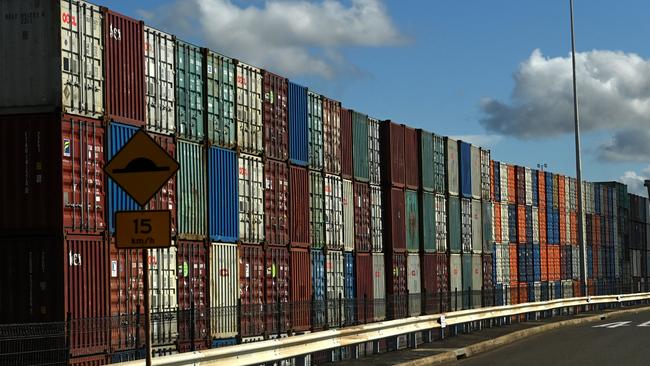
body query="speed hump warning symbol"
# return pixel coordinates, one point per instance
(141, 167)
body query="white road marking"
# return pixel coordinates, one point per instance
(646, 324)
(613, 325)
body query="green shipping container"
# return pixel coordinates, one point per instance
(428, 223)
(220, 100)
(190, 180)
(189, 91)
(426, 160)
(316, 209)
(453, 220)
(439, 175)
(467, 272)
(412, 217)
(360, 147)
(315, 121)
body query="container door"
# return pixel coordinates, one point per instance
(249, 109)
(348, 215)
(224, 291)
(316, 209)
(379, 286)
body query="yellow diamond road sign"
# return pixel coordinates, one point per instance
(141, 167)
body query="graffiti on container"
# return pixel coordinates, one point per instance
(74, 259)
(69, 19)
(115, 33)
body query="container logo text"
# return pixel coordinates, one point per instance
(69, 19)
(74, 259)
(115, 33)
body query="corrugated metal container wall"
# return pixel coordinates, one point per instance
(412, 220)
(534, 184)
(520, 186)
(428, 221)
(300, 289)
(435, 276)
(378, 286)
(298, 128)
(503, 171)
(191, 259)
(276, 202)
(455, 279)
(495, 186)
(54, 82)
(219, 102)
(466, 225)
(224, 290)
(487, 221)
(334, 282)
(452, 166)
(189, 91)
(163, 292)
(364, 285)
(333, 212)
(360, 147)
(332, 136)
(346, 143)
(249, 109)
(439, 161)
(465, 166)
(414, 284)
(223, 195)
(391, 138)
(528, 186)
(425, 159)
(394, 220)
(318, 283)
(441, 223)
(376, 219)
(251, 199)
(453, 221)
(277, 277)
(505, 223)
(477, 227)
(348, 215)
(349, 286)
(512, 185)
(159, 54)
(191, 190)
(374, 153)
(362, 224)
(316, 209)
(475, 164)
(251, 289)
(396, 284)
(315, 123)
(299, 206)
(411, 158)
(486, 177)
(535, 224)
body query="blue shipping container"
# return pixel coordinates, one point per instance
(558, 290)
(529, 263)
(537, 263)
(218, 343)
(349, 290)
(521, 262)
(118, 200)
(535, 184)
(590, 262)
(465, 166)
(597, 198)
(549, 189)
(512, 223)
(496, 183)
(529, 224)
(223, 193)
(318, 286)
(298, 127)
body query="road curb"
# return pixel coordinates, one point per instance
(495, 343)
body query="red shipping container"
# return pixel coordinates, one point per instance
(411, 158)
(395, 224)
(277, 276)
(124, 68)
(521, 224)
(276, 202)
(96, 360)
(520, 186)
(596, 230)
(396, 285)
(561, 193)
(543, 249)
(299, 206)
(346, 143)
(59, 162)
(391, 140)
(574, 227)
(275, 116)
(488, 271)
(496, 218)
(362, 236)
(165, 199)
(512, 248)
(364, 287)
(541, 221)
(435, 282)
(192, 287)
(251, 290)
(300, 289)
(332, 136)
(541, 189)
(512, 187)
(562, 223)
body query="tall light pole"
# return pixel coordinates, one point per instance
(581, 239)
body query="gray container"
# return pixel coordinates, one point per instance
(452, 166)
(315, 124)
(488, 226)
(163, 291)
(54, 58)
(251, 199)
(190, 181)
(455, 280)
(503, 179)
(466, 225)
(536, 225)
(505, 226)
(486, 175)
(475, 162)
(160, 82)
(376, 219)
(453, 224)
(249, 109)
(334, 283)
(316, 210)
(333, 212)
(477, 226)
(348, 215)
(374, 151)
(224, 289)
(441, 223)
(379, 286)
(477, 280)
(414, 284)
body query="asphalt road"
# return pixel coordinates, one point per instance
(618, 340)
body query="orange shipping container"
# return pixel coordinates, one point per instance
(512, 248)
(553, 262)
(496, 215)
(521, 224)
(541, 222)
(519, 293)
(577, 288)
(574, 227)
(561, 193)
(543, 249)
(541, 188)
(512, 187)
(562, 223)
(596, 231)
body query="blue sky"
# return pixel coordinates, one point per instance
(460, 68)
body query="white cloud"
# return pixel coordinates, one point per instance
(288, 37)
(635, 181)
(487, 141)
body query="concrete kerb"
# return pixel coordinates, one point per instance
(492, 344)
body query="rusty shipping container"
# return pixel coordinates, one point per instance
(59, 159)
(362, 218)
(332, 135)
(251, 290)
(160, 83)
(391, 139)
(300, 289)
(192, 284)
(275, 116)
(299, 206)
(277, 278)
(219, 99)
(224, 290)
(333, 212)
(124, 68)
(394, 220)
(411, 167)
(276, 202)
(251, 199)
(364, 287)
(248, 108)
(346, 143)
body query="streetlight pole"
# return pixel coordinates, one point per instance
(581, 239)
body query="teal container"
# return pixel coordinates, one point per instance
(315, 123)
(219, 92)
(453, 222)
(360, 148)
(426, 160)
(412, 217)
(428, 223)
(439, 172)
(316, 209)
(192, 196)
(189, 91)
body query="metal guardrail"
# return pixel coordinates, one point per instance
(296, 346)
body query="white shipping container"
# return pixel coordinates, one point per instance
(567, 193)
(348, 215)
(379, 286)
(475, 161)
(376, 218)
(567, 226)
(455, 280)
(452, 166)
(251, 199)
(477, 280)
(159, 52)
(163, 291)
(537, 291)
(249, 108)
(486, 175)
(374, 151)
(503, 170)
(567, 288)
(54, 59)
(224, 289)
(505, 228)
(333, 212)
(528, 184)
(335, 286)
(575, 262)
(441, 223)
(535, 225)
(413, 283)
(477, 227)
(466, 225)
